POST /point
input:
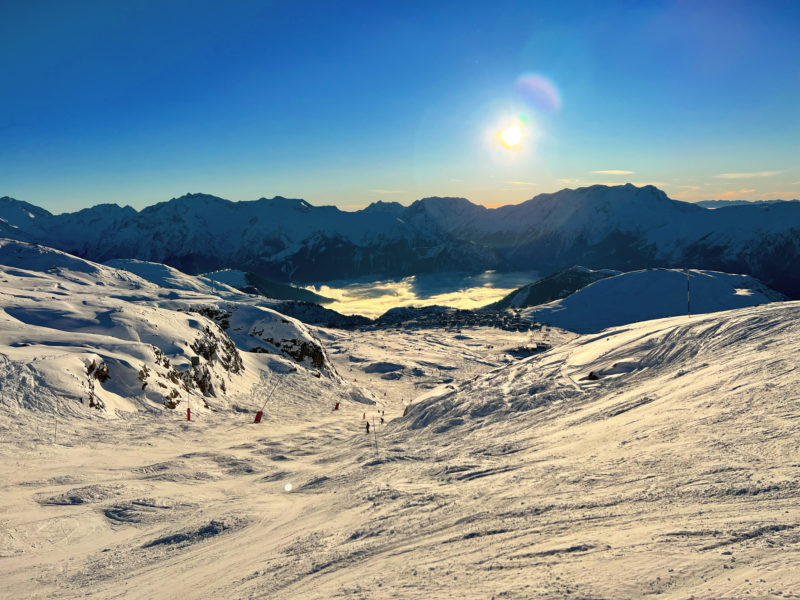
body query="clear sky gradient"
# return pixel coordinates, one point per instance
(347, 103)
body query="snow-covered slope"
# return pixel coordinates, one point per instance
(22, 216)
(672, 359)
(651, 294)
(169, 277)
(231, 277)
(229, 284)
(671, 473)
(553, 287)
(82, 334)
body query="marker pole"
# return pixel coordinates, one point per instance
(688, 296)
(260, 413)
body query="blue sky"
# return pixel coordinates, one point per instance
(350, 102)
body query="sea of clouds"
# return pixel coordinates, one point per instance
(372, 298)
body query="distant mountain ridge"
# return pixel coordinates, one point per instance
(726, 203)
(616, 227)
(278, 238)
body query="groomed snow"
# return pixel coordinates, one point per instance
(655, 459)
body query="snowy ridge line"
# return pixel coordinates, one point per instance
(650, 294)
(619, 227)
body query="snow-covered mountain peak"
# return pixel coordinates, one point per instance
(189, 202)
(600, 196)
(199, 197)
(19, 213)
(444, 214)
(394, 208)
(445, 206)
(108, 208)
(284, 204)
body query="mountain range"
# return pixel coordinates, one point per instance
(616, 227)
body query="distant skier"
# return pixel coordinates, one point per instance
(367, 427)
(381, 420)
(336, 407)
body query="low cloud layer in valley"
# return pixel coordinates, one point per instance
(373, 298)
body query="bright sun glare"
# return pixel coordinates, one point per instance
(511, 135)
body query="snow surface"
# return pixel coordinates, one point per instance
(650, 294)
(232, 277)
(169, 277)
(672, 472)
(60, 314)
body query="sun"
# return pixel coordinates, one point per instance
(511, 136)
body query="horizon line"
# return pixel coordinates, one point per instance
(359, 207)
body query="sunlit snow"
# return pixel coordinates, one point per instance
(657, 458)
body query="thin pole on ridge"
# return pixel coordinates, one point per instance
(688, 296)
(375, 432)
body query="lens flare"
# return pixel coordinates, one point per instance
(539, 92)
(288, 487)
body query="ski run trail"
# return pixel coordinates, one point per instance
(658, 459)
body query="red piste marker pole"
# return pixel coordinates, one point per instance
(260, 413)
(188, 414)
